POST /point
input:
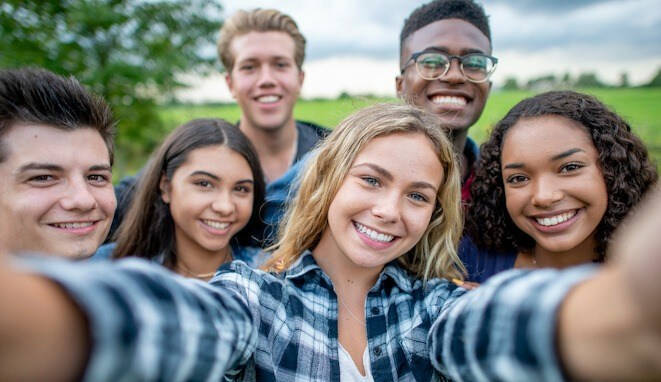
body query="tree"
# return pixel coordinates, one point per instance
(588, 80)
(624, 80)
(656, 80)
(511, 84)
(131, 52)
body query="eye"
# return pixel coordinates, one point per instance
(372, 181)
(203, 183)
(41, 178)
(243, 189)
(98, 179)
(247, 67)
(516, 179)
(418, 197)
(282, 64)
(571, 167)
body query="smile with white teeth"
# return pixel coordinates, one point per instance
(268, 99)
(215, 224)
(72, 225)
(374, 235)
(555, 220)
(448, 100)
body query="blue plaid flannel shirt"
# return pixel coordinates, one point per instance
(148, 324)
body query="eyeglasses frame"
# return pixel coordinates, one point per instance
(414, 58)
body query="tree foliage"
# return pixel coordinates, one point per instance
(129, 51)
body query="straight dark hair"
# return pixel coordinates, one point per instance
(148, 229)
(37, 96)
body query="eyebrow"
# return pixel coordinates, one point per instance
(383, 172)
(215, 177)
(564, 154)
(567, 153)
(40, 166)
(445, 50)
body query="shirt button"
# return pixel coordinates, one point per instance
(376, 311)
(377, 351)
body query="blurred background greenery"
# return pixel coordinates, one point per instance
(135, 52)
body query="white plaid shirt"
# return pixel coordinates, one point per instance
(147, 324)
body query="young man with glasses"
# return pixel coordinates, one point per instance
(446, 62)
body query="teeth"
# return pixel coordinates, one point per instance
(216, 225)
(268, 99)
(374, 235)
(440, 99)
(73, 225)
(554, 220)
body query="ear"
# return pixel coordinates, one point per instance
(164, 186)
(230, 85)
(399, 80)
(301, 77)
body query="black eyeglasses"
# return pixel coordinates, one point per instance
(433, 64)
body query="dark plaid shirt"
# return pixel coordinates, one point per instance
(148, 324)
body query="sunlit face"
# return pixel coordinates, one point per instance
(210, 197)
(457, 101)
(55, 199)
(265, 80)
(386, 201)
(554, 188)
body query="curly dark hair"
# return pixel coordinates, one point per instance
(623, 159)
(467, 10)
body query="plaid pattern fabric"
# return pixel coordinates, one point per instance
(250, 325)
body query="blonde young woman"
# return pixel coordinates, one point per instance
(355, 290)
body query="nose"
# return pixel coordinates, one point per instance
(454, 74)
(546, 193)
(78, 196)
(266, 76)
(223, 204)
(387, 208)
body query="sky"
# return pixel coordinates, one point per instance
(353, 46)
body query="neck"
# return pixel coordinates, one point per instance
(581, 254)
(345, 275)
(199, 263)
(459, 138)
(276, 148)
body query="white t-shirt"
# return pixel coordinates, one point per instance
(349, 371)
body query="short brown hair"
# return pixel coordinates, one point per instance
(258, 20)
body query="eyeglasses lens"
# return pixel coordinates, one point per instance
(476, 67)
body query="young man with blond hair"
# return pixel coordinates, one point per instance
(262, 51)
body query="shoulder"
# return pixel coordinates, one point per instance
(311, 127)
(482, 264)
(104, 252)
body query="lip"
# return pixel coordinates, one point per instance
(84, 230)
(279, 97)
(558, 227)
(449, 93)
(213, 230)
(373, 243)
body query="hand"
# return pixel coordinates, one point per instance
(636, 249)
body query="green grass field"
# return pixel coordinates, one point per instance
(641, 107)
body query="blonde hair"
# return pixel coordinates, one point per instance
(435, 255)
(258, 20)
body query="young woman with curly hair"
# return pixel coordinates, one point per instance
(556, 177)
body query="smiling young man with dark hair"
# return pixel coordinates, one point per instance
(56, 152)
(446, 63)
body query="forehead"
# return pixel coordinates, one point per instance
(545, 136)
(25, 143)
(219, 160)
(258, 45)
(408, 156)
(454, 35)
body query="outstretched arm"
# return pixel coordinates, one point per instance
(43, 335)
(610, 327)
(127, 320)
(578, 324)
